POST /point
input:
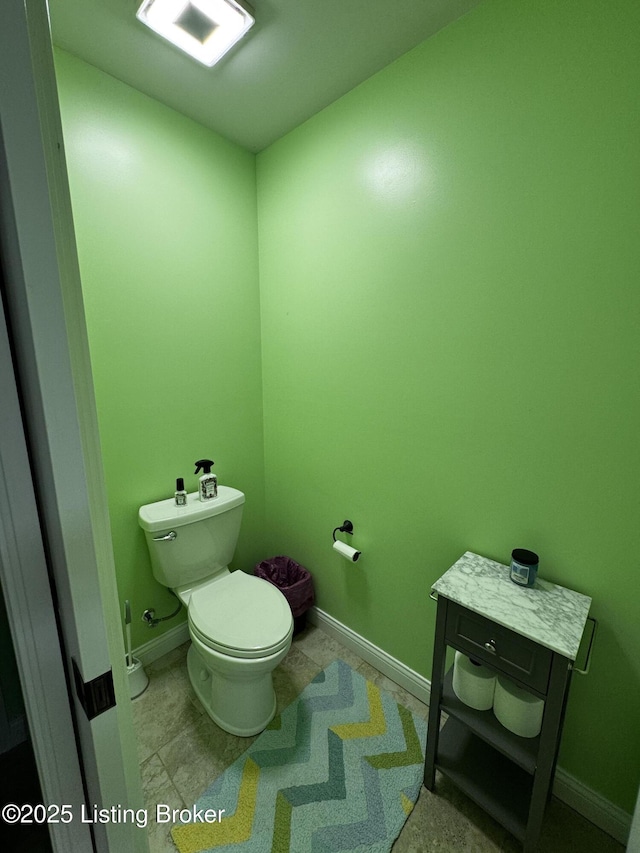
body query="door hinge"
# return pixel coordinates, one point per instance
(97, 695)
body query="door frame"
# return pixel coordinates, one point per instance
(31, 614)
(49, 349)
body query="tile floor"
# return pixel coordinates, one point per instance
(182, 751)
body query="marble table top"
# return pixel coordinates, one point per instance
(546, 613)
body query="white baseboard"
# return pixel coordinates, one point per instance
(159, 646)
(394, 669)
(587, 802)
(604, 814)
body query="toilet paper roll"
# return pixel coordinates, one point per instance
(517, 710)
(345, 551)
(473, 683)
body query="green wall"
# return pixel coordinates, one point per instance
(444, 337)
(449, 266)
(165, 216)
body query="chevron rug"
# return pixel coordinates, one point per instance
(340, 769)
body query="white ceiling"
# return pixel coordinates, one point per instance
(300, 56)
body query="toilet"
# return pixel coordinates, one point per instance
(240, 625)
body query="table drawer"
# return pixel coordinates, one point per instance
(498, 647)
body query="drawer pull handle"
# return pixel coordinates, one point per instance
(490, 647)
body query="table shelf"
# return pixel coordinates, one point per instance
(523, 751)
(486, 776)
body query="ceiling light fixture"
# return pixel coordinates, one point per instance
(205, 29)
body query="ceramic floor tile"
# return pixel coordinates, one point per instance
(180, 675)
(564, 829)
(198, 755)
(161, 712)
(292, 676)
(399, 693)
(447, 821)
(323, 649)
(157, 787)
(159, 836)
(170, 660)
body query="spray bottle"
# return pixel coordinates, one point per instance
(208, 485)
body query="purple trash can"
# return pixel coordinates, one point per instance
(294, 582)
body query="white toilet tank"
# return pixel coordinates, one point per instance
(190, 543)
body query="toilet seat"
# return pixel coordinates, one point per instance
(241, 616)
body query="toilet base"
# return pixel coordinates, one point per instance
(237, 694)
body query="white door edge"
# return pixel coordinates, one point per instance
(25, 585)
(48, 334)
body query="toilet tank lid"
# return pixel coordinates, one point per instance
(165, 514)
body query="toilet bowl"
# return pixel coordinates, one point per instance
(241, 629)
(240, 625)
